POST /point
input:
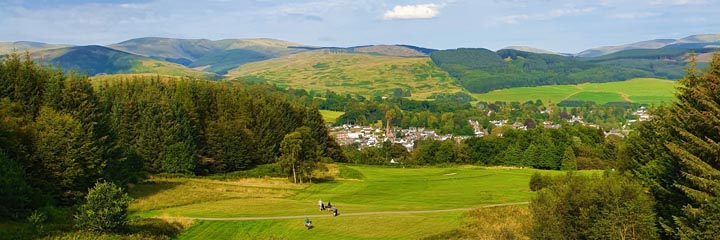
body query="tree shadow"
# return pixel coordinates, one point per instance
(150, 187)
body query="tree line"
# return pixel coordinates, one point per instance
(61, 133)
(668, 185)
(567, 148)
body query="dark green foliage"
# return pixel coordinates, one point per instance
(179, 159)
(481, 70)
(674, 155)
(607, 207)
(299, 155)
(15, 193)
(60, 134)
(537, 182)
(96, 60)
(568, 160)
(104, 209)
(69, 160)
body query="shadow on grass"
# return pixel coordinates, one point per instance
(150, 187)
(153, 227)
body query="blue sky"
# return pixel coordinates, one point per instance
(561, 26)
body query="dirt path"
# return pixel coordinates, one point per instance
(625, 97)
(350, 214)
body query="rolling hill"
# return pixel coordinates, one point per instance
(666, 63)
(530, 49)
(689, 42)
(381, 50)
(482, 70)
(633, 91)
(211, 56)
(22, 46)
(352, 73)
(99, 60)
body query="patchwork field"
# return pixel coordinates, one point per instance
(640, 90)
(343, 73)
(373, 202)
(330, 116)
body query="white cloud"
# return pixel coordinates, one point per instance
(556, 13)
(418, 11)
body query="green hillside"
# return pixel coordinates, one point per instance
(641, 90)
(98, 60)
(482, 70)
(666, 63)
(361, 74)
(211, 56)
(22, 46)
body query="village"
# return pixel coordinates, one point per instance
(374, 136)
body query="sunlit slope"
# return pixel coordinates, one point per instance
(639, 90)
(362, 74)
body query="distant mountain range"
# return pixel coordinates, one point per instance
(476, 70)
(690, 42)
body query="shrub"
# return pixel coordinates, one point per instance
(608, 207)
(104, 210)
(536, 182)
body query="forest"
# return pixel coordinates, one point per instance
(482, 70)
(61, 133)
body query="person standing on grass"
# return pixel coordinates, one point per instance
(320, 204)
(307, 223)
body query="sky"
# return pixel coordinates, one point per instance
(568, 26)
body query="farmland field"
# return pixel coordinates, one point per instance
(330, 116)
(640, 90)
(361, 198)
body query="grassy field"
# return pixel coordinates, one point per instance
(641, 90)
(371, 189)
(343, 73)
(330, 116)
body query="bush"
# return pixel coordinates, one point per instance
(608, 207)
(536, 182)
(105, 209)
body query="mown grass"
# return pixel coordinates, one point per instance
(330, 116)
(361, 74)
(355, 189)
(640, 90)
(342, 227)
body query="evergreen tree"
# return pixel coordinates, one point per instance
(568, 160)
(675, 155)
(69, 157)
(696, 120)
(15, 192)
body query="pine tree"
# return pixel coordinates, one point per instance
(676, 155)
(696, 120)
(568, 160)
(70, 159)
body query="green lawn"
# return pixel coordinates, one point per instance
(330, 116)
(640, 90)
(379, 189)
(357, 227)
